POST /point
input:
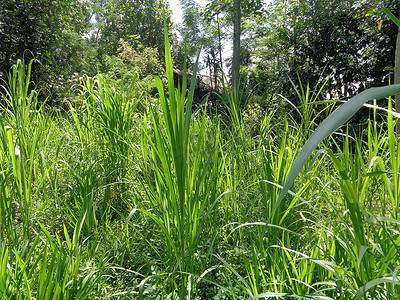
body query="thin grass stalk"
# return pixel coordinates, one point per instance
(394, 161)
(6, 212)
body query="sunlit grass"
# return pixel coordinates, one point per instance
(108, 201)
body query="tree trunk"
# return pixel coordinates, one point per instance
(397, 76)
(220, 45)
(236, 42)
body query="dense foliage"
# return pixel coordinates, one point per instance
(135, 22)
(110, 200)
(131, 192)
(315, 40)
(46, 30)
(71, 38)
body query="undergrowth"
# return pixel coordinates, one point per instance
(112, 201)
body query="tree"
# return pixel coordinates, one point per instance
(41, 29)
(318, 39)
(237, 16)
(211, 27)
(138, 22)
(234, 11)
(216, 16)
(192, 33)
(202, 28)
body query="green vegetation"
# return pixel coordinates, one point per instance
(72, 38)
(119, 181)
(119, 200)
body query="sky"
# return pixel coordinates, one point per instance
(175, 6)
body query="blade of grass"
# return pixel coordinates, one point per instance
(327, 127)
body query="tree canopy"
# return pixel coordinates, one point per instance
(349, 40)
(139, 23)
(41, 29)
(73, 37)
(319, 39)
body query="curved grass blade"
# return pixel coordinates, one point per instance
(374, 283)
(328, 126)
(391, 16)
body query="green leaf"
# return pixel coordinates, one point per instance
(327, 127)
(391, 16)
(362, 251)
(269, 295)
(375, 282)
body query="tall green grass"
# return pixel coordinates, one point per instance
(355, 249)
(179, 175)
(23, 131)
(33, 263)
(107, 201)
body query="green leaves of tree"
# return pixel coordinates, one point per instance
(120, 19)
